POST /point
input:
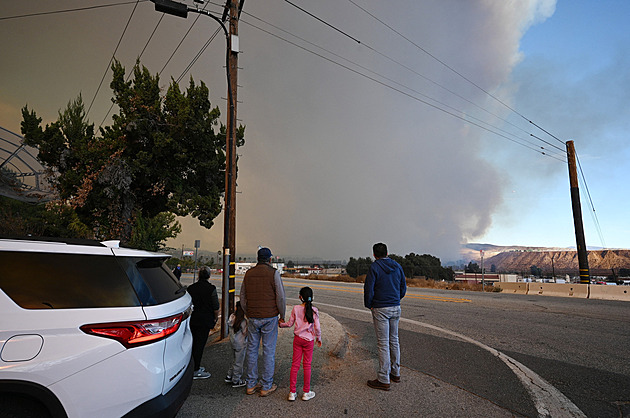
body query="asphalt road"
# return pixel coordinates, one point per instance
(526, 355)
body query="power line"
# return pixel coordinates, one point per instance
(423, 76)
(201, 51)
(391, 80)
(548, 143)
(413, 90)
(457, 95)
(323, 21)
(182, 40)
(112, 58)
(194, 60)
(406, 67)
(547, 132)
(117, 46)
(151, 36)
(405, 93)
(333, 27)
(455, 112)
(139, 56)
(78, 9)
(454, 70)
(467, 118)
(593, 213)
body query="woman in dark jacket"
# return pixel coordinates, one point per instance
(204, 317)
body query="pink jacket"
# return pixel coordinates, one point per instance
(303, 329)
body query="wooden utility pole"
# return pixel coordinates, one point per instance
(585, 276)
(232, 11)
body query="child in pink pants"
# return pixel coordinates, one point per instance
(307, 330)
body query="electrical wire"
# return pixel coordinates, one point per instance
(194, 60)
(139, 56)
(593, 213)
(78, 9)
(182, 40)
(323, 21)
(468, 118)
(454, 70)
(190, 65)
(395, 82)
(435, 106)
(436, 103)
(415, 72)
(423, 76)
(112, 58)
(201, 51)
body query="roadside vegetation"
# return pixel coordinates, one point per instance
(414, 282)
(162, 156)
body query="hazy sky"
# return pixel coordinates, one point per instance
(399, 121)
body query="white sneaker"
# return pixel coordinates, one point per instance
(308, 395)
(292, 396)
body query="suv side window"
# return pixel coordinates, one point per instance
(62, 281)
(153, 281)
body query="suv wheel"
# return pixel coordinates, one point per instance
(18, 406)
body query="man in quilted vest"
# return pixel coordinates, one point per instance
(263, 300)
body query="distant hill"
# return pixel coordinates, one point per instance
(471, 251)
(565, 261)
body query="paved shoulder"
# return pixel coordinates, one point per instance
(341, 368)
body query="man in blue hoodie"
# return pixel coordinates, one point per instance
(385, 285)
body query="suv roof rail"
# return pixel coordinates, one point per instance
(113, 243)
(70, 241)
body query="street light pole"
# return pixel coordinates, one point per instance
(229, 220)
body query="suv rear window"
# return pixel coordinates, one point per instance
(153, 281)
(62, 281)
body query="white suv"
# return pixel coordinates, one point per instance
(91, 330)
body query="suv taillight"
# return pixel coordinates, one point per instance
(136, 333)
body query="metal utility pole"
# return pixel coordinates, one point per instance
(585, 276)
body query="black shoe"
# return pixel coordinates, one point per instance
(239, 384)
(395, 379)
(376, 384)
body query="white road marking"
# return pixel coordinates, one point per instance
(549, 401)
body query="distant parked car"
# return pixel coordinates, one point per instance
(91, 330)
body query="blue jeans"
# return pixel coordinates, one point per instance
(386, 328)
(267, 330)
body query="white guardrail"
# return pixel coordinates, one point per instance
(569, 290)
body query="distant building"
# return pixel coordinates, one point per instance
(241, 268)
(487, 277)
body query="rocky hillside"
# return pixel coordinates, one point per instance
(564, 261)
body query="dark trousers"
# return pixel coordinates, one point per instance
(200, 332)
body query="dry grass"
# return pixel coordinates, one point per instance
(415, 282)
(475, 287)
